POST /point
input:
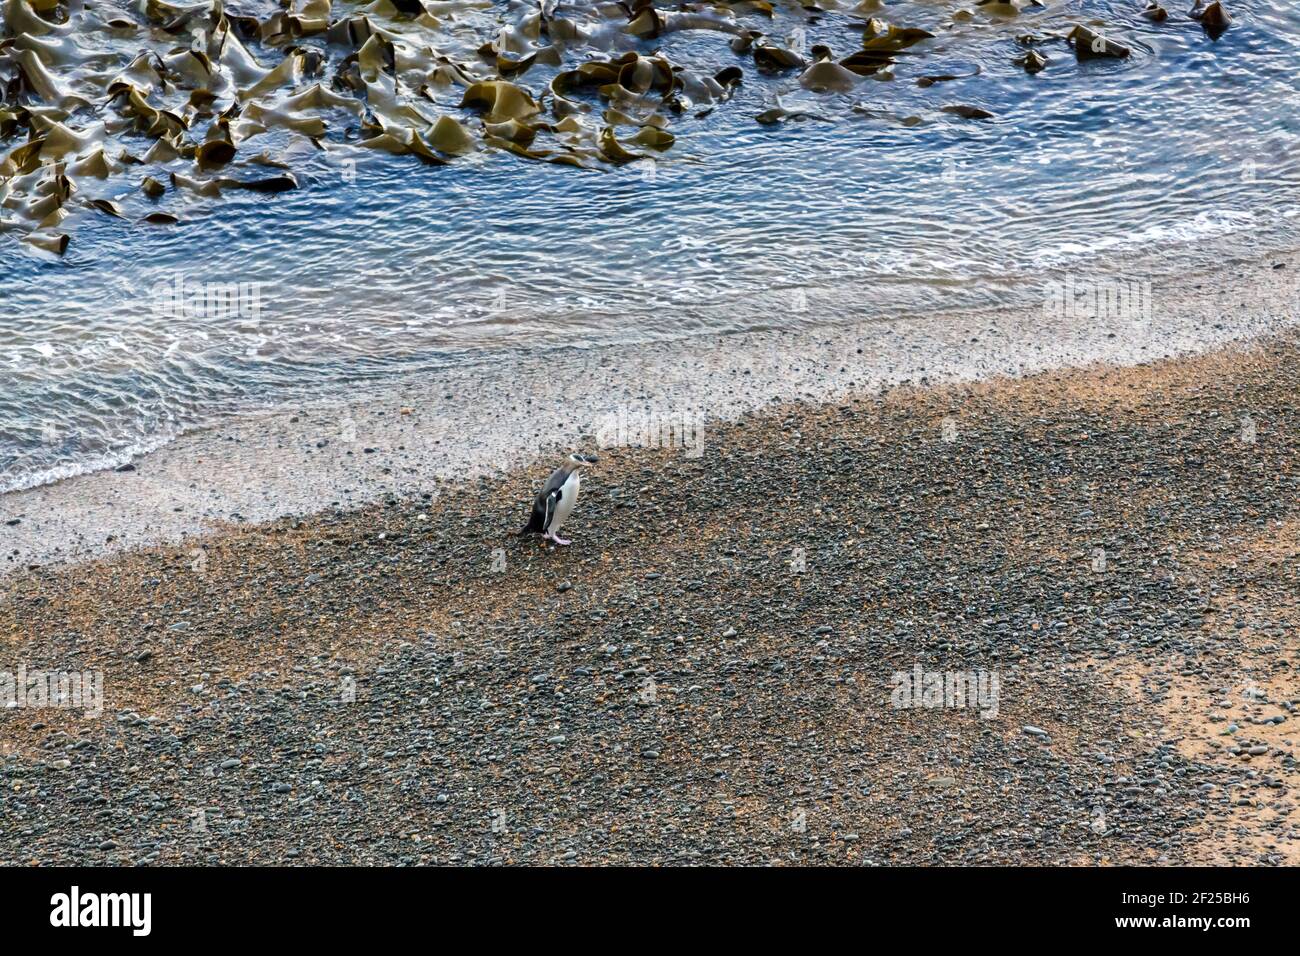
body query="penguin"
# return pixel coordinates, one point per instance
(554, 503)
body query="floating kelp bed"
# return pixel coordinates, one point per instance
(130, 110)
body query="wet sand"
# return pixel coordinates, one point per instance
(502, 413)
(707, 674)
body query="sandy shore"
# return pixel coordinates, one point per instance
(709, 673)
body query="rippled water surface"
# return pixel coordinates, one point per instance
(877, 204)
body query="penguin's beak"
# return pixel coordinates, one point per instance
(590, 459)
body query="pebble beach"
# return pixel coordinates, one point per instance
(710, 673)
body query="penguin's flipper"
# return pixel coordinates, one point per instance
(546, 500)
(543, 508)
(552, 500)
(536, 520)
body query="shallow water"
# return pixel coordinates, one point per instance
(1181, 156)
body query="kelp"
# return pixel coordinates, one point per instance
(133, 112)
(882, 43)
(1032, 61)
(927, 81)
(881, 35)
(779, 114)
(1090, 45)
(867, 62)
(55, 242)
(1214, 17)
(966, 112)
(106, 206)
(500, 100)
(1007, 8)
(770, 58)
(613, 150)
(450, 137)
(827, 77)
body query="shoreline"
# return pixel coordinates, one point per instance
(706, 674)
(415, 439)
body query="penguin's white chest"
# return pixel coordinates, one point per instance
(568, 498)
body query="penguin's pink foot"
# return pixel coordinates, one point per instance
(558, 540)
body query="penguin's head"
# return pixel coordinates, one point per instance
(581, 461)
